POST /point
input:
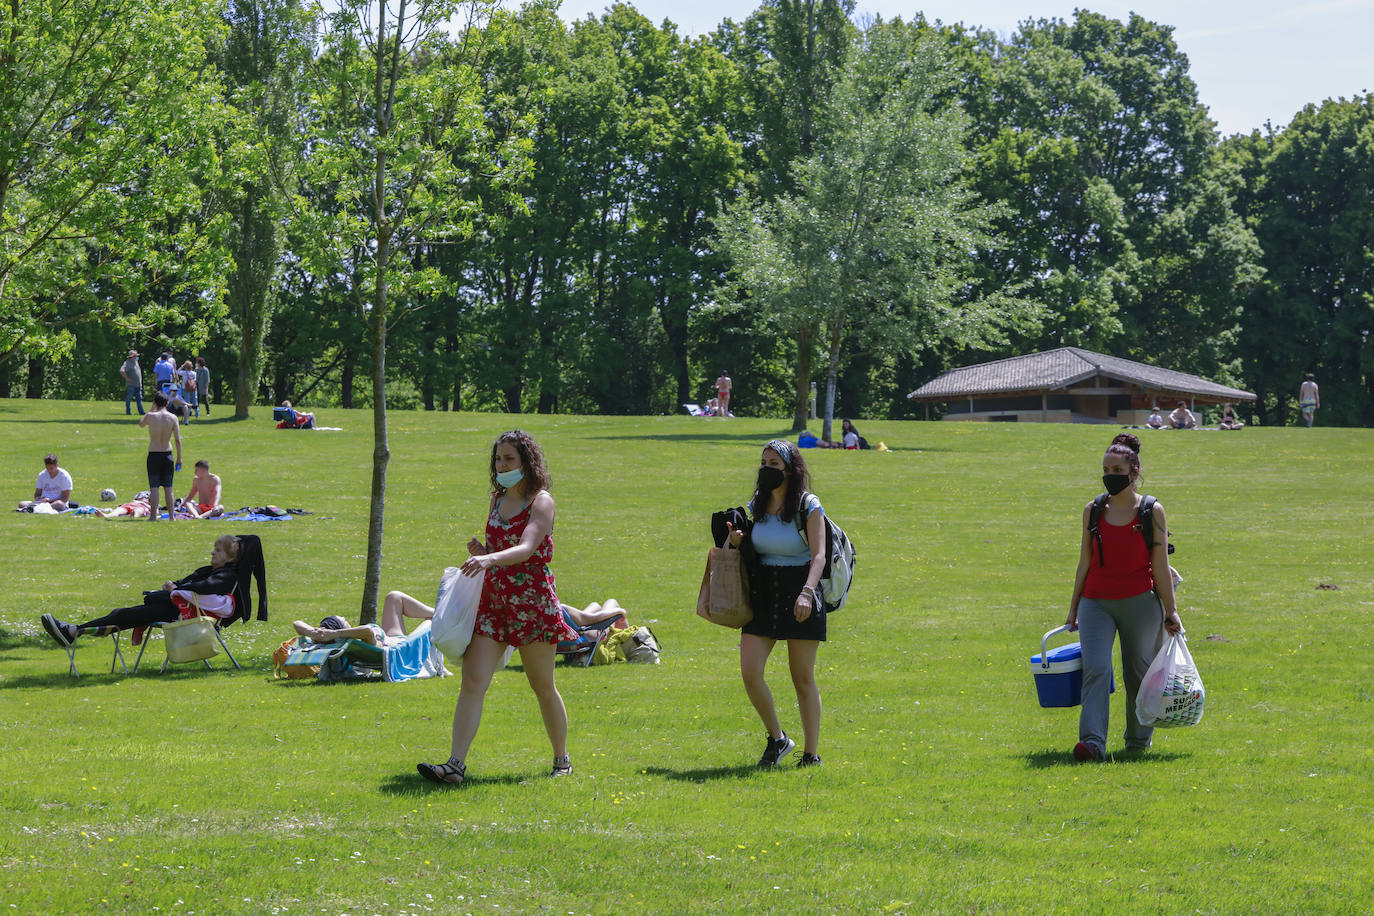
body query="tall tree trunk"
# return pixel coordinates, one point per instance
(802, 395)
(427, 371)
(34, 389)
(832, 375)
(513, 394)
(4, 378)
(381, 456)
(346, 381)
(255, 264)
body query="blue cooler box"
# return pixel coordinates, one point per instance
(1059, 673)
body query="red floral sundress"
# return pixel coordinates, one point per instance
(519, 605)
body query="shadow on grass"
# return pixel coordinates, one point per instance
(735, 771)
(1044, 760)
(98, 674)
(123, 419)
(758, 438)
(703, 436)
(409, 785)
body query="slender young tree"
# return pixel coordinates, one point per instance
(394, 118)
(871, 251)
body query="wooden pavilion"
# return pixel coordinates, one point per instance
(1068, 385)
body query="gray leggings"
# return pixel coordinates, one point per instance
(1140, 621)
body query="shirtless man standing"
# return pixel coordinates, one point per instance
(204, 499)
(163, 430)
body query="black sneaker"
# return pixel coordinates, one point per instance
(809, 760)
(776, 749)
(562, 766)
(58, 631)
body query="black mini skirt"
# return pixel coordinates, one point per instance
(776, 588)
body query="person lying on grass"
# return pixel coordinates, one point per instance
(218, 579)
(134, 508)
(396, 607)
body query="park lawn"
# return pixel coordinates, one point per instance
(945, 787)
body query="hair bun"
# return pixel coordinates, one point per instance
(1126, 439)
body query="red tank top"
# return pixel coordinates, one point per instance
(1127, 570)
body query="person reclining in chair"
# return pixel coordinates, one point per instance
(396, 607)
(219, 578)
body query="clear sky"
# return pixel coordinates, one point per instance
(1252, 61)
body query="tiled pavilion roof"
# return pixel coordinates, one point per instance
(1059, 369)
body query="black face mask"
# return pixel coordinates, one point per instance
(1115, 483)
(769, 479)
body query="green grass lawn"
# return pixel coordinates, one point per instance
(945, 787)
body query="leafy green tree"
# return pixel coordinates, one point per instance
(1117, 210)
(1310, 200)
(263, 58)
(789, 52)
(391, 127)
(107, 116)
(871, 250)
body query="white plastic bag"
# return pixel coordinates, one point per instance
(455, 612)
(1171, 693)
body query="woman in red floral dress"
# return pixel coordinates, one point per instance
(518, 607)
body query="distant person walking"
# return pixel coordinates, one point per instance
(133, 382)
(203, 384)
(518, 606)
(1309, 399)
(723, 388)
(163, 431)
(1122, 586)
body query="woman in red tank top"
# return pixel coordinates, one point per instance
(518, 607)
(1117, 592)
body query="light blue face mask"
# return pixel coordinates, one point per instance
(508, 479)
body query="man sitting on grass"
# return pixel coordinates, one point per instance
(54, 487)
(204, 499)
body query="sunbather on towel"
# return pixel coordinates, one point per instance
(219, 578)
(134, 508)
(396, 607)
(203, 501)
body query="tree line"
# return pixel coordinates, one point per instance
(490, 209)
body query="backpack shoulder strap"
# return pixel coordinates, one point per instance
(1094, 517)
(1145, 514)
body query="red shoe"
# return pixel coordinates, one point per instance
(1083, 752)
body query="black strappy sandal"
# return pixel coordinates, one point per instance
(562, 766)
(451, 774)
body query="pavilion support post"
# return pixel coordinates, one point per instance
(1044, 407)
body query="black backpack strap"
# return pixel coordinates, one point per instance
(1145, 515)
(1094, 516)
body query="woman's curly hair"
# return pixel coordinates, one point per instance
(532, 466)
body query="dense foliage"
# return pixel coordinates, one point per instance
(1067, 187)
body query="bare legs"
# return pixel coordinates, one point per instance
(753, 657)
(399, 605)
(801, 662)
(170, 501)
(537, 659)
(479, 664)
